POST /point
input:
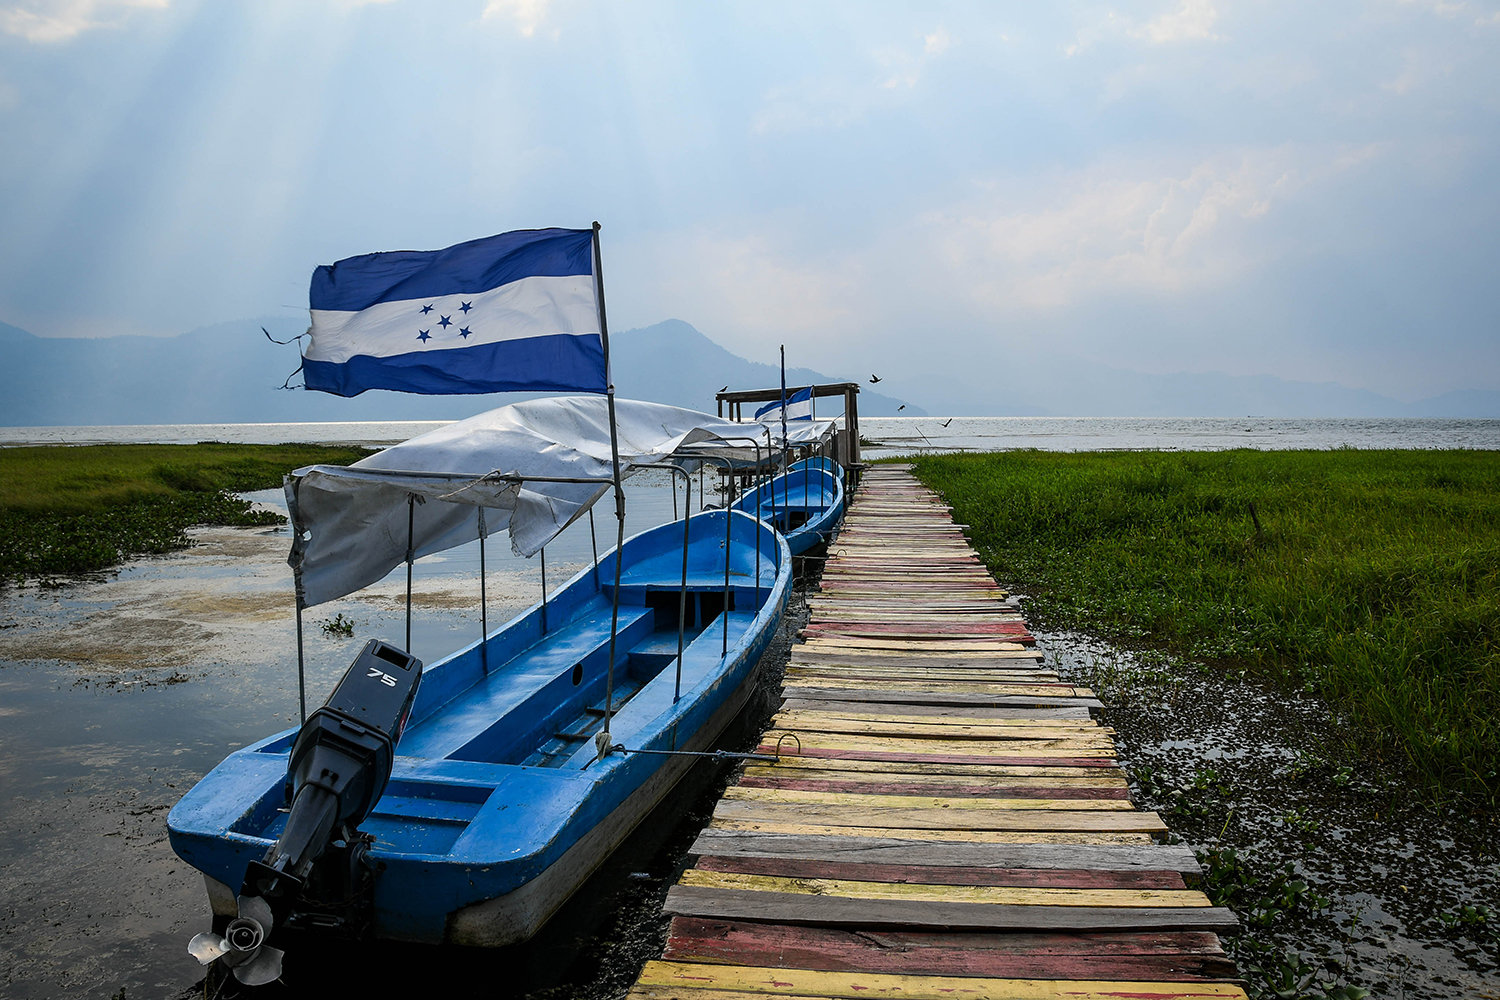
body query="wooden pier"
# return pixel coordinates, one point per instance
(947, 819)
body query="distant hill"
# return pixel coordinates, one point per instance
(229, 373)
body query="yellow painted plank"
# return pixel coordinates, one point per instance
(927, 834)
(1010, 820)
(979, 747)
(868, 800)
(791, 772)
(916, 891)
(659, 979)
(977, 772)
(939, 730)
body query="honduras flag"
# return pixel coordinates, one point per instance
(511, 313)
(798, 407)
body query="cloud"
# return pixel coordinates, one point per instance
(528, 15)
(60, 20)
(1106, 231)
(834, 102)
(1193, 21)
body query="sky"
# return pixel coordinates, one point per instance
(1305, 190)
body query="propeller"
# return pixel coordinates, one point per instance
(243, 947)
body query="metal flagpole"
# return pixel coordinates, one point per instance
(614, 450)
(484, 624)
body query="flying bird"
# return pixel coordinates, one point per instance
(874, 379)
(901, 407)
(947, 422)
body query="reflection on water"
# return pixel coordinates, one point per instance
(119, 691)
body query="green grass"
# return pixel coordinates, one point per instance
(75, 510)
(1375, 577)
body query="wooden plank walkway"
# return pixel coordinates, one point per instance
(946, 820)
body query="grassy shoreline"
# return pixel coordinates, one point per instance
(1372, 577)
(67, 509)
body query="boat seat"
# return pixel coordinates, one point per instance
(700, 658)
(471, 714)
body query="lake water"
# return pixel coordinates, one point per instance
(895, 435)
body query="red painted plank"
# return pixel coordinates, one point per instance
(918, 628)
(1055, 878)
(936, 758)
(1170, 957)
(947, 791)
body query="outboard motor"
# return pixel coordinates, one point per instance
(337, 771)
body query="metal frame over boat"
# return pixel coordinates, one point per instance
(499, 805)
(805, 504)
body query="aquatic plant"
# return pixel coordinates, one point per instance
(68, 510)
(1371, 578)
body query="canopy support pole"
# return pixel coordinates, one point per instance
(411, 525)
(301, 671)
(484, 623)
(728, 520)
(543, 554)
(603, 739)
(594, 541)
(687, 505)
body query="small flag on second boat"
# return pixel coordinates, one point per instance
(798, 407)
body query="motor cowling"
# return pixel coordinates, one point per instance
(339, 766)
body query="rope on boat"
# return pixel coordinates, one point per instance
(710, 754)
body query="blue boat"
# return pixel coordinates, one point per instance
(499, 804)
(805, 504)
(820, 462)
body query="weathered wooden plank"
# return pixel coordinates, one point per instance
(976, 893)
(1169, 956)
(716, 840)
(917, 818)
(881, 774)
(977, 749)
(896, 770)
(1049, 790)
(938, 711)
(808, 828)
(1054, 878)
(1013, 659)
(896, 715)
(882, 800)
(846, 911)
(950, 729)
(890, 695)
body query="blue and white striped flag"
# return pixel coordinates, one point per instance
(511, 313)
(798, 407)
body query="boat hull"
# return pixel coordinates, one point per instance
(805, 503)
(479, 843)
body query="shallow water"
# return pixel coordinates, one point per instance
(1232, 761)
(119, 691)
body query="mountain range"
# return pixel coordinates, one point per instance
(231, 373)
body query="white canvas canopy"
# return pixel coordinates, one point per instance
(351, 524)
